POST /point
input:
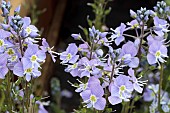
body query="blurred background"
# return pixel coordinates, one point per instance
(57, 20)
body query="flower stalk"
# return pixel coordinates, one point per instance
(160, 86)
(9, 100)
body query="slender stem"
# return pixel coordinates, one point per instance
(142, 35)
(160, 87)
(141, 38)
(23, 99)
(137, 34)
(131, 106)
(130, 36)
(9, 104)
(123, 107)
(91, 51)
(21, 48)
(24, 85)
(126, 107)
(27, 96)
(112, 73)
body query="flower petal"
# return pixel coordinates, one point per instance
(151, 59)
(100, 104)
(114, 100)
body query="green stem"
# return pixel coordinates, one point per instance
(127, 107)
(91, 51)
(123, 107)
(160, 87)
(130, 36)
(23, 99)
(27, 96)
(131, 106)
(9, 104)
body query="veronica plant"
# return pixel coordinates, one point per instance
(121, 73)
(21, 61)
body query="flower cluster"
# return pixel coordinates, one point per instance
(20, 54)
(103, 67)
(19, 47)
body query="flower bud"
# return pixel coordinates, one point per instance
(133, 14)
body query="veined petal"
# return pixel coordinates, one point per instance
(129, 48)
(3, 72)
(27, 21)
(114, 91)
(41, 55)
(119, 39)
(26, 63)
(151, 59)
(137, 88)
(74, 72)
(32, 49)
(85, 73)
(74, 59)
(34, 34)
(3, 59)
(100, 104)
(154, 47)
(114, 100)
(93, 81)
(72, 49)
(28, 77)
(85, 94)
(163, 50)
(36, 73)
(18, 69)
(97, 90)
(134, 62)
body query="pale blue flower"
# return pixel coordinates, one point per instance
(93, 96)
(121, 89)
(128, 53)
(157, 51)
(69, 56)
(118, 34)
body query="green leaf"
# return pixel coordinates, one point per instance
(152, 67)
(90, 23)
(38, 98)
(92, 5)
(108, 110)
(108, 11)
(169, 78)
